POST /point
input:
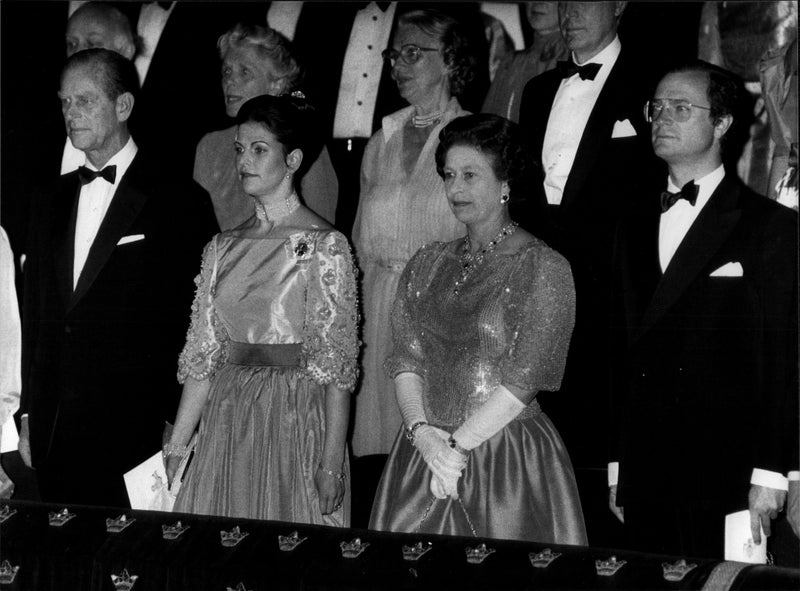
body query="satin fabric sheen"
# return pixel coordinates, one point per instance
(509, 324)
(262, 432)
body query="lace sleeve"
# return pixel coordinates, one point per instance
(541, 315)
(206, 346)
(330, 342)
(406, 352)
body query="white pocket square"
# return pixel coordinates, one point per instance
(729, 270)
(129, 239)
(623, 129)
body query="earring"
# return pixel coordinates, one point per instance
(504, 198)
(288, 175)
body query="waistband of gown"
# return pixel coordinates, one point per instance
(264, 355)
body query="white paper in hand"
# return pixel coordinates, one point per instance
(739, 545)
(147, 485)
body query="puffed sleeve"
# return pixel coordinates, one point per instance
(207, 340)
(407, 349)
(330, 342)
(540, 318)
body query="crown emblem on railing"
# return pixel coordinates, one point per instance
(416, 551)
(233, 537)
(478, 554)
(115, 526)
(353, 549)
(6, 512)
(608, 568)
(290, 542)
(544, 558)
(239, 587)
(7, 572)
(677, 570)
(59, 518)
(124, 581)
(174, 531)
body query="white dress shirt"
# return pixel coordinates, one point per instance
(676, 221)
(93, 203)
(672, 229)
(572, 106)
(361, 71)
(152, 20)
(283, 17)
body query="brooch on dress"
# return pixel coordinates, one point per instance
(300, 246)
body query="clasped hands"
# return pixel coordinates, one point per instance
(446, 464)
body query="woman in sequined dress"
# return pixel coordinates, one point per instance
(402, 205)
(481, 325)
(271, 354)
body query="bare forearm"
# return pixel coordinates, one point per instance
(337, 416)
(193, 400)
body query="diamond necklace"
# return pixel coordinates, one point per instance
(274, 211)
(469, 262)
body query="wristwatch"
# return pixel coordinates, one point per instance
(412, 430)
(454, 445)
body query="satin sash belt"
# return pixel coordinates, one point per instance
(264, 355)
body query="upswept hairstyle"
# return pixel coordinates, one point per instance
(292, 120)
(114, 74)
(499, 139)
(458, 54)
(269, 44)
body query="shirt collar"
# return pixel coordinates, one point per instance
(608, 55)
(122, 159)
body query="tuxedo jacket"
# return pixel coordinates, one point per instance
(109, 347)
(705, 382)
(607, 174)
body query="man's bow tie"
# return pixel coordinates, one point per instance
(586, 71)
(688, 192)
(87, 175)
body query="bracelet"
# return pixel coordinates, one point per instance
(412, 430)
(173, 449)
(337, 475)
(455, 446)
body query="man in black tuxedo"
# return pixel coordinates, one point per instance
(587, 127)
(706, 391)
(108, 285)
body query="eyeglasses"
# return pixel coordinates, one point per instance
(676, 109)
(409, 53)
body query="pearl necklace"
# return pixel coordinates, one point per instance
(270, 212)
(469, 262)
(427, 120)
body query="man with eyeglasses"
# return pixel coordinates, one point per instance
(705, 380)
(584, 120)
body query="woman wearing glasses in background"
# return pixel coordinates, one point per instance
(402, 204)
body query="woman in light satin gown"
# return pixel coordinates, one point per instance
(480, 325)
(271, 354)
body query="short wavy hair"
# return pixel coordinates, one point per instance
(114, 73)
(457, 52)
(499, 139)
(269, 44)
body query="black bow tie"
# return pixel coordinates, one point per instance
(688, 192)
(570, 68)
(87, 175)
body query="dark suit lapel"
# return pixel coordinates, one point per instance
(124, 208)
(596, 133)
(707, 234)
(539, 109)
(64, 235)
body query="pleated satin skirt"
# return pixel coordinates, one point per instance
(517, 485)
(259, 443)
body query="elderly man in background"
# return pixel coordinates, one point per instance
(108, 280)
(584, 119)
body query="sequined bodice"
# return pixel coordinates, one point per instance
(509, 324)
